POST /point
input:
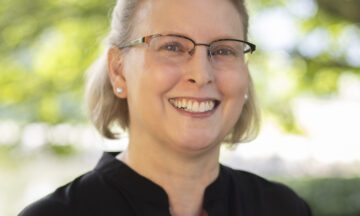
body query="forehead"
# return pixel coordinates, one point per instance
(203, 20)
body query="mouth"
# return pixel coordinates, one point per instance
(194, 105)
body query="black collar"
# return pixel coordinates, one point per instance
(153, 196)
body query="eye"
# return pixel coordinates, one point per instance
(224, 51)
(172, 47)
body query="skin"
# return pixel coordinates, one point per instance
(179, 152)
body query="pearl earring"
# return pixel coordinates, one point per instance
(119, 90)
(246, 97)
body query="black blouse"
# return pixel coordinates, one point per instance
(113, 188)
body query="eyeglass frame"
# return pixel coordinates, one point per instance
(147, 39)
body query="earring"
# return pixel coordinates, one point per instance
(119, 90)
(246, 97)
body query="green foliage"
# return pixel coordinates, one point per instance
(62, 150)
(47, 47)
(331, 196)
(6, 154)
(318, 75)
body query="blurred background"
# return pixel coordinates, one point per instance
(307, 76)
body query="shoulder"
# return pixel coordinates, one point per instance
(63, 200)
(253, 182)
(90, 194)
(56, 203)
(88, 191)
(271, 196)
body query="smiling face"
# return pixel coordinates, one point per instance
(191, 106)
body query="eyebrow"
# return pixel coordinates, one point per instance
(190, 37)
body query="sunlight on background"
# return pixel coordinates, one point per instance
(307, 77)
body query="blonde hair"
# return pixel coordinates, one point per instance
(106, 111)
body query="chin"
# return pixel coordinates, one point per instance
(195, 144)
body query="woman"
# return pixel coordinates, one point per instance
(176, 78)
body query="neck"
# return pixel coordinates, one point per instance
(183, 177)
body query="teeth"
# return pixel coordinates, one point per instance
(188, 106)
(208, 106)
(183, 103)
(195, 107)
(192, 105)
(202, 107)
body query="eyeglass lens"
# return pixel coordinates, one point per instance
(175, 49)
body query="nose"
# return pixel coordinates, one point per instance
(200, 70)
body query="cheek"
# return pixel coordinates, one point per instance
(143, 73)
(233, 84)
(160, 77)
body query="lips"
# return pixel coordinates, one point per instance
(194, 105)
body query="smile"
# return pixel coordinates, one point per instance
(194, 106)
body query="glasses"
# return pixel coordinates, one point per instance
(178, 49)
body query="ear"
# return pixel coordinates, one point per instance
(115, 71)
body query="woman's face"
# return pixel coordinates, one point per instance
(152, 86)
